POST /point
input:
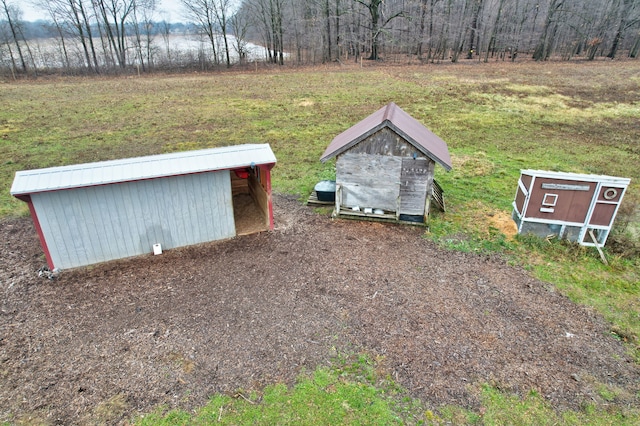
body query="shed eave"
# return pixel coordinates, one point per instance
(141, 168)
(612, 180)
(345, 147)
(24, 196)
(404, 125)
(444, 162)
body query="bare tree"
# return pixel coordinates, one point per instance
(327, 19)
(464, 21)
(548, 36)
(59, 27)
(298, 23)
(476, 9)
(11, 13)
(142, 26)
(426, 27)
(165, 32)
(494, 31)
(338, 13)
(592, 31)
(268, 15)
(276, 14)
(107, 34)
(115, 15)
(73, 16)
(522, 12)
(240, 27)
(203, 14)
(629, 16)
(377, 23)
(222, 10)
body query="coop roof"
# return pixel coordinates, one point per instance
(139, 168)
(611, 180)
(395, 118)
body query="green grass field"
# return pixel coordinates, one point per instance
(496, 118)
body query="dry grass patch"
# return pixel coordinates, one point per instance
(111, 411)
(471, 165)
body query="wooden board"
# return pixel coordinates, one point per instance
(414, 178)
(385, 142)
(313, 200)
(387, 218)
(260, 197)
(369, 180)
(238, 185)
(437, 195)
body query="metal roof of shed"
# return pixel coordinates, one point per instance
(139, 168)
(394, 117)
(612, 180)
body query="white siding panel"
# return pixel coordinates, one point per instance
(185, 233)
(90, 225)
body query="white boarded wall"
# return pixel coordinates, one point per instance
(95, 224)
(369, 180)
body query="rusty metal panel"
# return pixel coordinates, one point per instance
(520, 199)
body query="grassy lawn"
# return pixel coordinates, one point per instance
(496, 118)
(354, 393)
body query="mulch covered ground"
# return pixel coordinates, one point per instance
(108, 341)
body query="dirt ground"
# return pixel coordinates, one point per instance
(103, 343)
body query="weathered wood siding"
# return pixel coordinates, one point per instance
(369, 180)
(95, 224)
(385, 171)
(414, 185)
(385, 142)
(238, 185)
(259, 194)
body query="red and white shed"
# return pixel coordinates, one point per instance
(90, 213)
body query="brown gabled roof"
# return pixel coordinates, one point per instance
(396, 119)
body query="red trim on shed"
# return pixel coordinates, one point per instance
(267, 185)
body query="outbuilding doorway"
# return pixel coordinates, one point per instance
(249, 201)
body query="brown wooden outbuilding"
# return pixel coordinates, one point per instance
(385, 166)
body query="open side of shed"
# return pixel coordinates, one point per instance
(95, 212)
(385, 167)
(577, 207)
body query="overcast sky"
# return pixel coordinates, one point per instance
(167, 8)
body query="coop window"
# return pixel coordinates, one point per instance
(550, 200)
(610, 194)
(548, 203)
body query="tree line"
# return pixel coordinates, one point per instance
(99, 36)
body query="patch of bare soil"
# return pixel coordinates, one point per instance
(109, 341)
